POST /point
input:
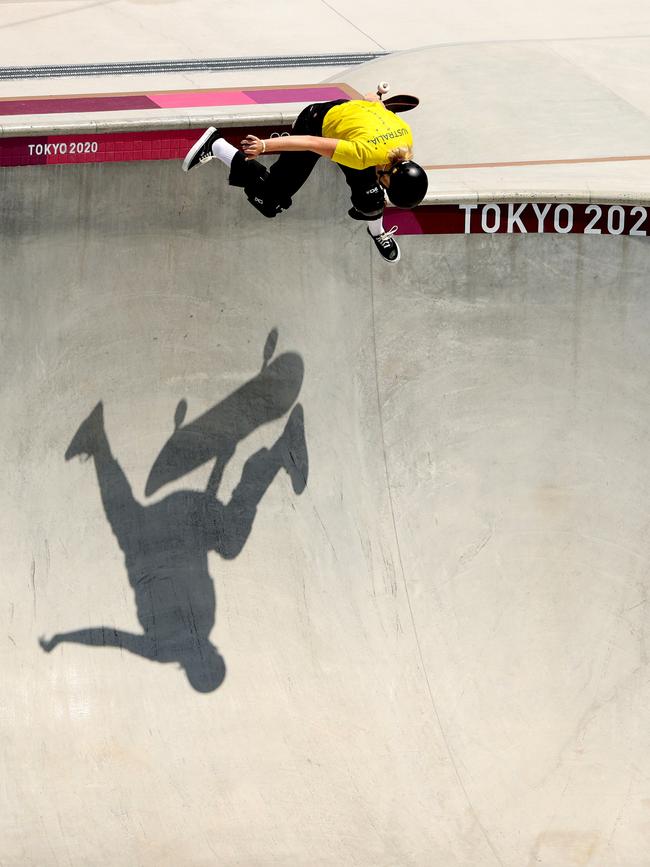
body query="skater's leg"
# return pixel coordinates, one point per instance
(367, 196)
(368, 205)
(253, 177)
(249, 174)
(124, 513)
(231, 524)
(270, 191)
(376, 227)
(223, 151)
(291, 170)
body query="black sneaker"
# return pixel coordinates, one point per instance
(201, 150)
(387, 245)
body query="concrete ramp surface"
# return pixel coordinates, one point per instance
(388, 608)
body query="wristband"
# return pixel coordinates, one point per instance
(263, 146)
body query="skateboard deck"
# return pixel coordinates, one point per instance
(401, 102)
(266, 397)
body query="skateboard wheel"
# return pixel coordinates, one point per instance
(383, 87)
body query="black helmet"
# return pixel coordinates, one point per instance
(408, 184)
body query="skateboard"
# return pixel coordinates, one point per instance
(215, 434)
(401, 103)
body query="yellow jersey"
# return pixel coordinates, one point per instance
(367, 132)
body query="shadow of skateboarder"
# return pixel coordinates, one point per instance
(166, 544)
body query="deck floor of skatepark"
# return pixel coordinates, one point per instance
(434, 654)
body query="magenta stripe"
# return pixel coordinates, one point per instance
(76, 104)
(407, 221)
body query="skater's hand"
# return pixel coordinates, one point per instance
(252, 146)
(46, 645)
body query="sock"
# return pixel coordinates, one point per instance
(376, 227)
(223, 151)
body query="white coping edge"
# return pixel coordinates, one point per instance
(198, 120)
(573, 195)
(140, 123)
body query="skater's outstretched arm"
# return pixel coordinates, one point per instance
(255, 147)
(104, 636)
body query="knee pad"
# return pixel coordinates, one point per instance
(266, 204)
(254, 178)
(264, 198)
(368, 203)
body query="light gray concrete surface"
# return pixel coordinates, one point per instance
(75, 31)
(72, 31)
(437, 653)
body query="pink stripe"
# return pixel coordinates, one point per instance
(297, 94)
(201, 98)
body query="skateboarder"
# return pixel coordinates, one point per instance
(372, 146)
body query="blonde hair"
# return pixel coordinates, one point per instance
(399, 154)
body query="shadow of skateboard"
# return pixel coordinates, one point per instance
(215, 434)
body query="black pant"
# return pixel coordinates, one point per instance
(270, 190)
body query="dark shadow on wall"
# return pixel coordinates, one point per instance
(166, 544)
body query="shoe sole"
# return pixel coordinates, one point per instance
(196, 147)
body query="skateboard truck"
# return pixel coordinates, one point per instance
(382, 88)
